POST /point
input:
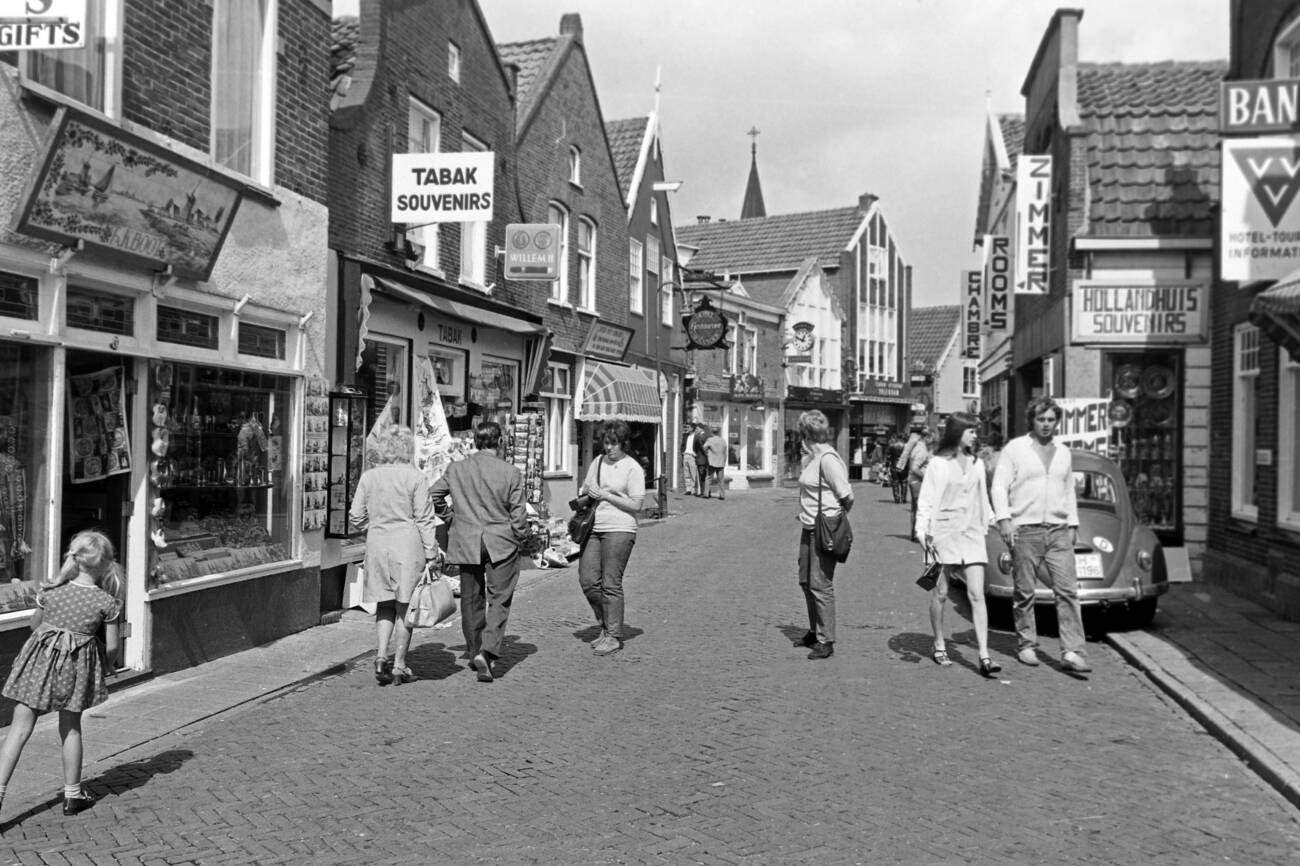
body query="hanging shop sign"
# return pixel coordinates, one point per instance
(1260, 237)
(607, 340)
(997, 284)
(31, 25)
(746, 386)
(974, 281)
(126, 196)
(1254, 107)
(706, 328)
(1033, 235)
(1138, 314)
(1085, 423)
(442, 187)
(533, 251)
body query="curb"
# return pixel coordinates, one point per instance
(1239, 740)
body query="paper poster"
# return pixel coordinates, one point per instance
(98, 445)
(1085, 423)
(433, 443)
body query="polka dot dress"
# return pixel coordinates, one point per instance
(62, 665)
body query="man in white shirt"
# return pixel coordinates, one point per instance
(1038, 518)
(690, 474)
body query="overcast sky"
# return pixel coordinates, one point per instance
(850, 96)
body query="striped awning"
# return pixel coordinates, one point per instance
(1276, 311)
(615, 392)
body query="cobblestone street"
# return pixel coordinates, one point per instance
(708, 739)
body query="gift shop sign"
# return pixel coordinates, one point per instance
(1085, 423)
(1138, 314)
(42, 24)
(442, 187)
(1260, 238)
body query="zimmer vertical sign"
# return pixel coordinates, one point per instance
(1033, 235)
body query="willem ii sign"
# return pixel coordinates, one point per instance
(1143, 314)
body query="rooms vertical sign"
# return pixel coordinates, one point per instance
(1033, 235)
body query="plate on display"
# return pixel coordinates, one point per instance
(1158, 381)
(1120, 412)
(1161, 414)
(1128, 381)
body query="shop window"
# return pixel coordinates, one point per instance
(261, 342)
(557, 394)
(746, 446)
(19, 296)
(423, 135)
(635, 283)
(187, 328)
(243, 121)
(100, 311)
(1288, 442)
(1245, 376)
(25, 414)
(473, 235)
(383, 374)
(86, 74)
(218, 473)
(557, 215)
(586, 264)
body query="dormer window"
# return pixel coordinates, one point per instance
(453, 61)
(575, 166)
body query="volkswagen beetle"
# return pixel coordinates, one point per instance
(1118, 560)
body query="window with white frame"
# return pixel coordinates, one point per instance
(424, 135)
(586, 264)
(1288, 442)
(473, 235)
(1245, 376)
(243, 86)
(652, 265)
(575, 166)
(557, 395)
(733, 348)
(453, 61)
(654, 210)
(556, 214)
(1286, 50)
(666, 291)
(90, 74)
(635, 277)
(749, 358)
(970, 380)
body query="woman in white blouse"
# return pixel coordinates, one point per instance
(952, 517)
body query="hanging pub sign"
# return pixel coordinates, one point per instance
(706, 328)
(124, 195)
(746, 386)
(1033, 235)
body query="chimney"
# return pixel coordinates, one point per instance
(866, 200)
(571, 25)
(702, 219)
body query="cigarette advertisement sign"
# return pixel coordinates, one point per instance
(1144, 314)
(1085, 423)
(32, 25)
(442, 187)
(1261, 225)
(1033, 236)
(997, 284)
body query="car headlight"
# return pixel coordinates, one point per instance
(1144, 560)
(1004, 563)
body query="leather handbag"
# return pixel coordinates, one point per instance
(432, 601)
(929, 578)
(833, 534)
(583, 520)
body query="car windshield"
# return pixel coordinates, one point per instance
(1094, 488)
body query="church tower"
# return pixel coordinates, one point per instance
(753, 204)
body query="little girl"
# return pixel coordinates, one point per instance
(62, 665)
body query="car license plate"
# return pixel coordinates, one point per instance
(1088, 565)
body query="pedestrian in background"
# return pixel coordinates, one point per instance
(916, 456)
(690, 473)
(701, 459)
(897, 468)
(489, 524)
(952, 519)
(617, 483)
(715, 447)
(63, 666)
(824, 483)
(1035, 504)
(392, 506)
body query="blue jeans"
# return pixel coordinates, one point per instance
(600, 575)
(1047, 546)
(816, 576)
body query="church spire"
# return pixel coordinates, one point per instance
(753, 204)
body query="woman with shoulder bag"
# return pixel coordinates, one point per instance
(953, 514)
(823, 485)
(617, 482)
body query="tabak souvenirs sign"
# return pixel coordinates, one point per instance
(128, 197)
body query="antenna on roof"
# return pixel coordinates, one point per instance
(658, 84)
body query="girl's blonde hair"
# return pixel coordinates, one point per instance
(90, 551)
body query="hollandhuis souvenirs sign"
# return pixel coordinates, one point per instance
(1138, 313)
(128, 197)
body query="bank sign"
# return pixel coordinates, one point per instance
(442, 187)
(1138, 314)
(31, 25)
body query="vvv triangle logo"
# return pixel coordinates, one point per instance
(1273, 175)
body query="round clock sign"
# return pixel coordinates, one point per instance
(706, 328)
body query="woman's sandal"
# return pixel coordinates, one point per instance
(383, 672)
(402, 675)
(988, 667)
(941, 657)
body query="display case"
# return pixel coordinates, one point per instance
(1146, 438)
(347, 443)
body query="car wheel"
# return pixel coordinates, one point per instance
(1140, 613)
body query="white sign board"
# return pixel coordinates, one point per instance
(533, 251)
(997, 284)
(442, 187)
(1260, 237)
(974, 281)
(1033, 229)
(1138, 314)
(1085, 423)
(29, 25)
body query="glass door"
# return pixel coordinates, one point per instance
(1146, 436)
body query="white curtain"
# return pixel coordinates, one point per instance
(77, 72)
(238, 27)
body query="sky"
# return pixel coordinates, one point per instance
(849, 96)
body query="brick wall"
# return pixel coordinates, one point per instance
(301, 109)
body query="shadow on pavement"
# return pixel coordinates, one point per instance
(432, 661)
(591, 632)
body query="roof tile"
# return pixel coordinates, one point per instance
(772, 243)
(625, 139)
(929, 331)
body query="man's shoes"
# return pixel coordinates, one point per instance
(1075, 663)
(822, 650)
(1028, 656)
(606, 645)
(483, 667)
(73, 805)
(809, 640)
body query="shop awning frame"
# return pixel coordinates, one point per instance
(1276, 311)
(617, 392)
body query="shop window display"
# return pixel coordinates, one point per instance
(24, 415)
(217, 472)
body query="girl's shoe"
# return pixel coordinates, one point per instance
(988, 667)
(73, 805)
(403, 674)
(383, 671)
(941, 658)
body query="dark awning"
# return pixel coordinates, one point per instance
(1276, 311)
(612, 391)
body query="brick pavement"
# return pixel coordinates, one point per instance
(708, 739)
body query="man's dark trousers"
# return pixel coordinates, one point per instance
(486, 591)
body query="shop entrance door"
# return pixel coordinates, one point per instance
(99, 460)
